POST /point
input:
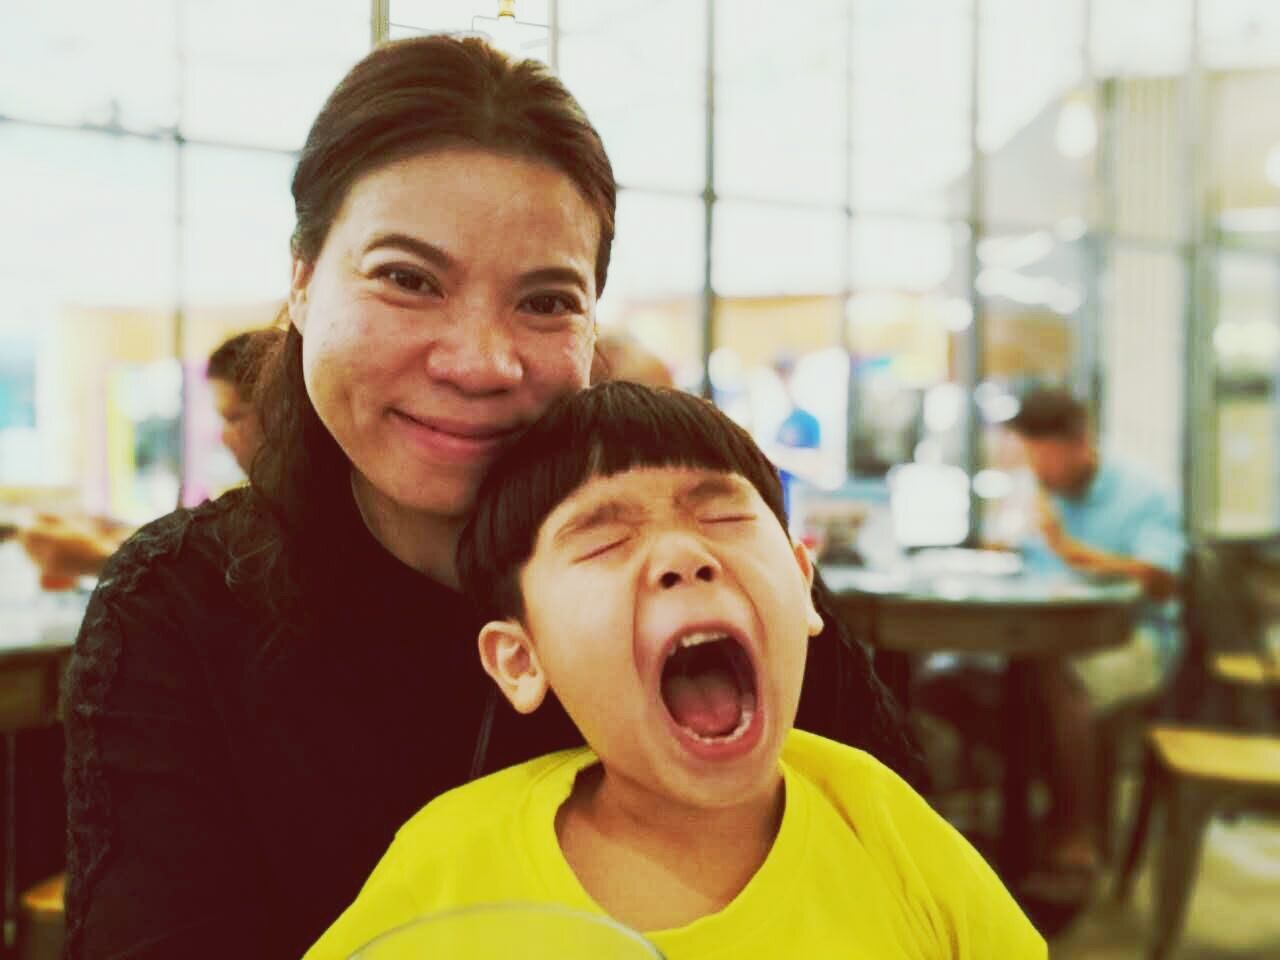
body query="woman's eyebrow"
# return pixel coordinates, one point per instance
(554, 275)
(608, 511)
(403, 241)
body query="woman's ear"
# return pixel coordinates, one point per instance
(298, 281)
(805, 563)
(507, 654)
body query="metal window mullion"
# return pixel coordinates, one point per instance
(974, 338)
(708, 203)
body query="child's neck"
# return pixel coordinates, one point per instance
(655, 864)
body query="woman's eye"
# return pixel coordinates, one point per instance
(552, 303)
(408, 280)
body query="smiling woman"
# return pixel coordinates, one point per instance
(265, 686)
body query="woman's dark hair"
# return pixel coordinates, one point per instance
(615, 426)
(404, 99)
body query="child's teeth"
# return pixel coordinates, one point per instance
(696, 640)
(748, 713)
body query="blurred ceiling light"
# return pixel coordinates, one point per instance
(1077, 131)
(1070, 229)
(943, 407)
(1272, 165)
(1066, 300)
(992, 484)
(957, 314)
(1029, 290)
(1250, 220)
(1016, 251)
(999, 409)
(725, 367)
(927, 451)
(987, 391)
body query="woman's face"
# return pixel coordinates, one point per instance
(453, 300)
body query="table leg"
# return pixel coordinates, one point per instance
(1015, 813)
(10, 840)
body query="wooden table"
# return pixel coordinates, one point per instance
(1018, 617)
(35, 644)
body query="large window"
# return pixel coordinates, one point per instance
(891, 214)
(145, 155)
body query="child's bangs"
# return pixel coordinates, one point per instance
(597, 432)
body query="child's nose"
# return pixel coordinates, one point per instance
(681, 560)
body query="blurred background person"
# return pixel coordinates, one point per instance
(1098, 516)
(233, 375)
(67, 546)
(621, 356)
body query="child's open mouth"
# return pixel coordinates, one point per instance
(709, 687)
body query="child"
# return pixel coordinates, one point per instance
(633, 544)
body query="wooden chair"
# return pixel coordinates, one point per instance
(1200, 773)
(41, 925)
(1208, 752)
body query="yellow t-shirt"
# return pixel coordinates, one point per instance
(862, 867)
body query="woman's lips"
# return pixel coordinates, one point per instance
(453, 440)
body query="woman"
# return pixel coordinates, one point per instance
(265, 687)
(232, 374)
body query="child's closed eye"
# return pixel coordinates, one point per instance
(599, 550)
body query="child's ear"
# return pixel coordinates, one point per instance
(805, 563)
(508, 656)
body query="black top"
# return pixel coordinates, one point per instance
(229, 793)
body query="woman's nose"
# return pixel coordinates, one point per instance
(476, 354)
(679, 559)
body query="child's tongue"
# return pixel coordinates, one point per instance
(708, 703)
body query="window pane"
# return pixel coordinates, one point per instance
(1240, 34)
(527, 36)
(904, 321)
(1142, 349)
(639, 70)
(1140, 38)
(782, 100)
(654, 289)
(85, 62)
(1036, 125)
(911, 63)
(1244, 157)
(87, 265)
(766, 250)
(1246, 344)
(237, 218)
(254, 76)
(1033, 287)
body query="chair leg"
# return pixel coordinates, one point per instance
(1149, 794)
(1186, 819)
(1105, 802)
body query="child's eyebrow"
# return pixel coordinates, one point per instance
(711, 488)
(608, 511)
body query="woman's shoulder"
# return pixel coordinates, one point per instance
(191, 544)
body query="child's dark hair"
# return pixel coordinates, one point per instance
(615, 426)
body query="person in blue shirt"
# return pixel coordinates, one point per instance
(1099, 517)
